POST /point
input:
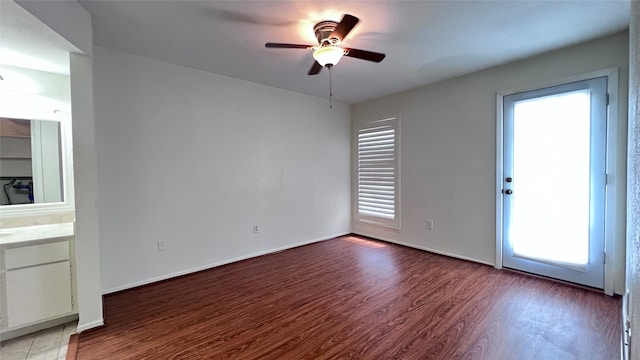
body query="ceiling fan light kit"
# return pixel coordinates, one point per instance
(328, 55)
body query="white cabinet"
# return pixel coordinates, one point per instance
(36, 277)
(31, 255)
(37, 282)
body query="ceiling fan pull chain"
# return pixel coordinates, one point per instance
(330, 89)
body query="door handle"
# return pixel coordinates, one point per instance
(508, 191)
(508, 179)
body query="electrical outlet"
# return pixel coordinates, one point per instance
(161, 246)
(255, 229)
(429, 224)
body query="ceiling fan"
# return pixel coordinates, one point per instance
(328, 52)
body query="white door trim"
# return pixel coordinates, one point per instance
(611, 165)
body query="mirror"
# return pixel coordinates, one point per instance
(30, 162)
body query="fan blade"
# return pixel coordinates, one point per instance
(315, 68)
(364, 55)
(347, 23)
(287, 46)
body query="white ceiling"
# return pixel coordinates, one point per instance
(425, 41)
(26, 42)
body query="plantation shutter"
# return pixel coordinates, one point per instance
(377, 157)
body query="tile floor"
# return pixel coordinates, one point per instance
(49, 344)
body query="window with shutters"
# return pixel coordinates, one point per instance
(377, 170)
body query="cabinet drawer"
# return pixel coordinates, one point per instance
(38, 293)
(36, 254)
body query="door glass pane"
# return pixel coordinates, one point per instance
(550, 218)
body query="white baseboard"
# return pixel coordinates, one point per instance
(426, 249)
(90, 325)
(216, 264)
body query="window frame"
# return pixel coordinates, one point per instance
(394, 223)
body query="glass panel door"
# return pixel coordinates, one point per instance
(553, 191)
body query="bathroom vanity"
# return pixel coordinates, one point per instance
(37, 277)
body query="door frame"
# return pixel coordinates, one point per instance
(611, 190)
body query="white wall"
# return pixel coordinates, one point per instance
(448, 149)
(86, 193)
(194, 159)
(633, 212)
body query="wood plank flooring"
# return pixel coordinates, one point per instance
(355, 298)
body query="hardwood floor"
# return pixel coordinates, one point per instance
(72, 348)
(354, 298)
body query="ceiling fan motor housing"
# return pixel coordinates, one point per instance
(323, 31)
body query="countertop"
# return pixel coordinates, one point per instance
(34, 233)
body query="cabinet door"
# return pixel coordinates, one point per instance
(38, 293)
